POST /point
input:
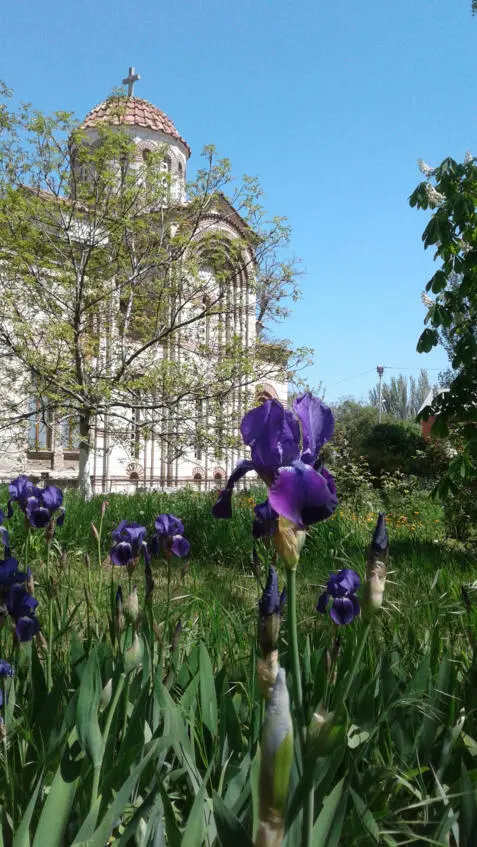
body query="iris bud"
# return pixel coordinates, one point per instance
(275, 765)
(269, 632)
(49, 532)
(30, 585)
(106, 695)
(133, 655)
(376, 569)
(267, 671)
(94, 531)
(131, 607)
(119, 616)
(289, 541)
(326, 731)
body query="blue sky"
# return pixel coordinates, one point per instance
(330, 104)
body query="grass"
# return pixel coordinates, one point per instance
(216, 597)
(405, 695)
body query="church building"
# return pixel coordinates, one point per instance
(50, 447)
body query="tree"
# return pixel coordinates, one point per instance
(118, 298)
(400, 398)
(450, 192)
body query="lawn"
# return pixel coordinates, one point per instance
(174, 756)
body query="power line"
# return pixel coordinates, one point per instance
(355, 376)
(371, 370)
(397, 368)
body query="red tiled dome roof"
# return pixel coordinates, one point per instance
(132, 111)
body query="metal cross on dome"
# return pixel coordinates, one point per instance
(130, 80)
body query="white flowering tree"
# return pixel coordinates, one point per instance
(118, 300)
(450, 192)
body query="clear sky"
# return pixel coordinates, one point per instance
(329, 103)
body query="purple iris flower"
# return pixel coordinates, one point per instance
(5, 668)
(21, 606)
(284, 453)
(41, 509)
(26, 627)
(341, 588)
(130, 543)
(40, 505)
(169, 537)
(266, 520)
(20, 490)
(9, 572)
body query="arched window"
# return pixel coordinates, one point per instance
(198, 480)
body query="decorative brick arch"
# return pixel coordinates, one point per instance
(219, 474)
(147, 144)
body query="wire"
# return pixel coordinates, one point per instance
(397, 368)
(386, 367)
(355, 376)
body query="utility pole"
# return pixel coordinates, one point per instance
(380, 371)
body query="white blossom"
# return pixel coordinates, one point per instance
(428, 301)
(464, 246)
(468, 158)
(425, 169)
(434, 196)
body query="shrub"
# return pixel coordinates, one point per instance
(391, 447)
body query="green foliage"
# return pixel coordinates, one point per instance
(393, 447)
(125, 289)
(178, 747)
(450, 191)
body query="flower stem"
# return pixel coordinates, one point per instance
(49, 675)
(100, 563)
(294, 652)
(308, 804)
(166, 618)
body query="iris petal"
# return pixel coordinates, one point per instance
(317, 425)
(52, 497)
(223, 506)
(180, 546)
(121, 554)
(265, 521)
(38, 516)
(302, 495)
(273, 436)
(169, 525)
(322, 602)
(26, 628)
(344, 582)
(344, 610)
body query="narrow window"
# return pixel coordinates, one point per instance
(40, 429)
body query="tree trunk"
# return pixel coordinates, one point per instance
(84, 474)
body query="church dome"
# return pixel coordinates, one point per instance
(133, 112)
